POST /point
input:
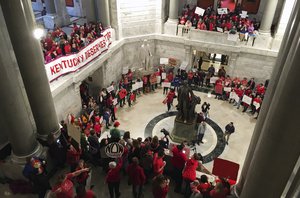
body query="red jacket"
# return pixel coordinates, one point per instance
(136, 174)
(189, 171)
(73, 156)
(179, 158)
(170, 97)
(113, 175)
(161, 192)
(157, 164)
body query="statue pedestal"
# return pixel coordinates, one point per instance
(183, 131)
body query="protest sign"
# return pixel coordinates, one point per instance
(256, 104)
(222, 11)
(246, 99)
(166, 84)
(227, 89)
(163, 61)
(183, 65)
(213, 80)
(163, 76)
(199, 11)
(110, 88)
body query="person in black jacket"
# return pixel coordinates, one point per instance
(229, 129)
(40, 182)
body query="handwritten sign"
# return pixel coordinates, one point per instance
(213, 80)
(246, 99)
(222, 11)
(166, 84)
(256, 104)
(199, 11)
(227, 89)
(163, 61)
(183, 65)
(163, 76)
(110, 88)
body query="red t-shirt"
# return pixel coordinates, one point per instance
(161, 192)
(136, 174)
(113, 175)
(66, 188)
(204, 188)
(157, 164)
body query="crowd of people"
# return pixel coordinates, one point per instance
(143, 161)
(231, 23)
(57, 43)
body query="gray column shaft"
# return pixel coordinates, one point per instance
(3, 132)
(281, 59)
(15, 122)
(18, 16)
(50, 6)
(268, 16)
(61, 11)
(277, 149)
(103, 12)
(90, 7)
(173, 9)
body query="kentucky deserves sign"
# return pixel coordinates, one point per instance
(73, 62)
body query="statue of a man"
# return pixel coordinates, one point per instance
(185, 94)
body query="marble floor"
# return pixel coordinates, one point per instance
(148, 106)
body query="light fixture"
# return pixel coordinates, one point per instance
(38, 33)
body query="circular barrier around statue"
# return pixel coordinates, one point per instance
(217, 151)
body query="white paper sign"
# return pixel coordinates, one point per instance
(246, 99)
(213, 80)
(163, 76)
(163, 61)
(140, 84)
(256, 104)
(227, 89)
(125, 70)
(222, 11)
(135, 86)
(220, 29)
(183, 65)
(199, 11)
(166, 84)
(232, 94)
(115, 101)
(244, 14)
(110, 89)
(236, 98)
(158, 79)
(232, 37)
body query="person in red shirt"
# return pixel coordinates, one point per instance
(260, 89)
(189, 173)
(170, 76)
(204, 186)
(82, 193)
(73, 157)
(160, 186)
(219, 191)
(82, 177)
(136, 177)
(113, 178)
(170, 97)
(256, 105)
(158, 163)
(178, 161)
(64, 186)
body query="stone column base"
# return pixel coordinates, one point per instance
(13, 166)
(183, 132)
(52, 21)
(170, 27)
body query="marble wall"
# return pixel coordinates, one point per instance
(77, 10)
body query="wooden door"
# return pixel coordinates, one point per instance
(205, 3)
(251, 6)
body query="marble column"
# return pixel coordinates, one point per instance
(90, 10)
(281, 59)
(103, 12)
(3, 133)
(15, 121)
(277, 149)
(171, 24)
(31, 64)
(267, 19)
(50, 6)
(282, 24)
(61, 11)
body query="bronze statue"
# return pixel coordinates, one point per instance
(187, 102)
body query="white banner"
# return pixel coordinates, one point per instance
(71, 63)
(246, 99)
(199, 11)
(222, 11)
(166, 84)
